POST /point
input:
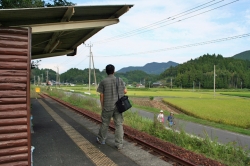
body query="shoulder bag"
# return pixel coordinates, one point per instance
(123, 104)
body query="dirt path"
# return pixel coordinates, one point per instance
(156, 103)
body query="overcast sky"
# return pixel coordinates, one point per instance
(126, 48)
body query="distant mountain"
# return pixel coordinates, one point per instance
(243, 55)
(150, 68)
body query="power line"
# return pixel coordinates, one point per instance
(67, 58)
(146, 30)
(80, 62)
(158, 22)
(184, 46)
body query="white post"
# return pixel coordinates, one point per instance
(47, 78)
(171, 83)
(214, 80)
(89, 45)
(89, 69)
(94, 70)
(193, 86)
(42, 78)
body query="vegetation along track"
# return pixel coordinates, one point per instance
(165, 150)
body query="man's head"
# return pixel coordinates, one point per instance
(110, 69)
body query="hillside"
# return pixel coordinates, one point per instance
(150, 68)
(230, 73)
(243, 55)
(78, 76)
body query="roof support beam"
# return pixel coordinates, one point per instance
(86, 37)
(51, 54)
(120, 12)
(117, 14)
(72, 25)
(67, 16)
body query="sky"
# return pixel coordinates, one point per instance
(123, 45)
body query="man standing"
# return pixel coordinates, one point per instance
(108, 98)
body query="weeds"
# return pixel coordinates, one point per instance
(228, 154)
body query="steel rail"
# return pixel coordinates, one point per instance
(161, 152)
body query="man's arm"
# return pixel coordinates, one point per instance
(101, 99)
(125, 91)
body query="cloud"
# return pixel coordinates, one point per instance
(228, 21)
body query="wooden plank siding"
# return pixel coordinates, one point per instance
(15, 138)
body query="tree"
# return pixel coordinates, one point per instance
(8, 4)
(230, 73)
(35, 64)
(60, 3)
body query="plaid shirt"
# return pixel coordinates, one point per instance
(108, 88)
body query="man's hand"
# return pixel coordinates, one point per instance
(101, 99)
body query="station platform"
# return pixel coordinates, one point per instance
(61, 137)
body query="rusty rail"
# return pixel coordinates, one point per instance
(179, 161)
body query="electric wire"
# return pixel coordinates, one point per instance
(80, 62)
(128, 34)
(156, 23)
(165, 20)
(183, 46)
(146, 30)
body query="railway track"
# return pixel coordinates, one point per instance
(166, 151)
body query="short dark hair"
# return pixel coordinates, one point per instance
(110, 69)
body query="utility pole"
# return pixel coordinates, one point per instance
(42, 78)
(47, 77)
(214, 81)
(38, 80)
(193, 86)
(94, 69)
(57, 76)
(171, 83)
(91, 57)
(89, 45)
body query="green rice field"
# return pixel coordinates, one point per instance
(231, 108)
(241, 94)
(229, 111)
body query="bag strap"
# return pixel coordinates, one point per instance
(117, 83)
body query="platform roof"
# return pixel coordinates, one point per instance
(59, 31)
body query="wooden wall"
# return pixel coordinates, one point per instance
(15, 96)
